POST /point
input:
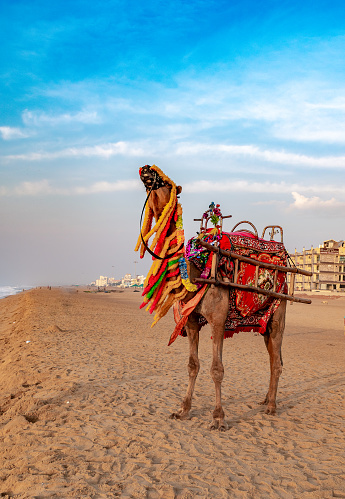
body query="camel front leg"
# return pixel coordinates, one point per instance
(215, 308)
(192, 328)
(217, 373)
(273, 341)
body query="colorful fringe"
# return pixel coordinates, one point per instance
(164, 284)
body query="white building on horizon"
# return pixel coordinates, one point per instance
(102, 281)
(140, 280)
(126, 281)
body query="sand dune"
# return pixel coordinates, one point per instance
(87, 387)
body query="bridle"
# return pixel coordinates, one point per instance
(156, 184)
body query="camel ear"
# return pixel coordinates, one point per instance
(178, 190)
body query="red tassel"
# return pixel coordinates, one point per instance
(162, 238)
(154, 278)
(173, 273)
(159, 294)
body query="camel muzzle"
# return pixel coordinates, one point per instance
(150, 178)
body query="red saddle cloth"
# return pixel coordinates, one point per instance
(250, 311)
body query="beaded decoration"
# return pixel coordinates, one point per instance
(184, 275)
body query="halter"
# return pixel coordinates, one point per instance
(150, 178)
(152, 181)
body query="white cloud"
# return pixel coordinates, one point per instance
(10, 133)
(32, 188)
(271, 156)
(314, 130)
(259, 187)
(44, 187)
(337, 104)
(314, 203)
(33, 118)
(186, 149)
(102, 151)
(98, 187)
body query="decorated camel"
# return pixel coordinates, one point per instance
(233, 281)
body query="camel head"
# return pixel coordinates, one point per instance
(160, 189)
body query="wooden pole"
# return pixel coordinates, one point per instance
(253, 289)
(200, 219)
(292, 286)
(275, 280)
(251, 261)
(257, 276)
(236, 271)
(214, 265)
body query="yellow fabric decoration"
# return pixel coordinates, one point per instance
(173, 288)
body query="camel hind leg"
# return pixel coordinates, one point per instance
(217, 373)
(273, 341)
(192, 328)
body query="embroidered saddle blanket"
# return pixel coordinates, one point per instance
(248, 311)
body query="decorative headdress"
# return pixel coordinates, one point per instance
(150, 177)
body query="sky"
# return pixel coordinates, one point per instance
(239, 102)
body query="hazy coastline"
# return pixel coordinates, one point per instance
(12, 290)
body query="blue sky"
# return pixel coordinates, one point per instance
(242, 103)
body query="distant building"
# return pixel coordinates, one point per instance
(102, 281)
(138, 280)
(141, 280)
(327, 262)
(126, 281)
(113, 282)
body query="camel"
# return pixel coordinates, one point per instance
(214, 307)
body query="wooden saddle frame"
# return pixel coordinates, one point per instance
(216, 280)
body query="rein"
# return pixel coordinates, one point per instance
(141, 219)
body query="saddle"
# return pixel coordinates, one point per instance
(255, 270)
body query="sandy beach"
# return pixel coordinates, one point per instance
(87, 387)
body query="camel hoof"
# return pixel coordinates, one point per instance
(178, 415)
(217, 425)
(174, 415)
(271, 411)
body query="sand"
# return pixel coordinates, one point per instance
(87, 387)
